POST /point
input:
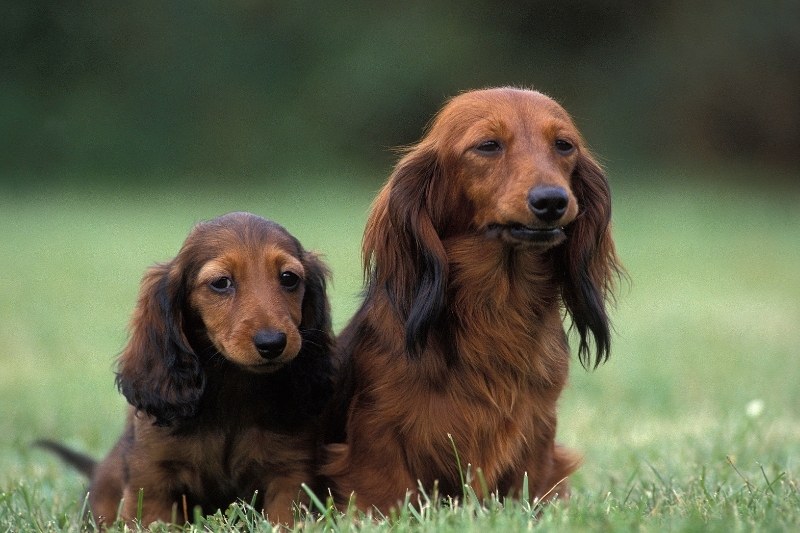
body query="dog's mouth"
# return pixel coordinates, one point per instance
(266, 367)
(520, 233)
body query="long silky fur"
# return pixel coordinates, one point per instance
(159, 372)
(401, 233)
(589, 263)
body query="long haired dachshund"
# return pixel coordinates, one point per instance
(490, 227)
(226, 371)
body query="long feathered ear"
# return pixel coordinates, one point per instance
(590, 263)
(402, 249)
(158, 372)
(316, 309)
(311, 371)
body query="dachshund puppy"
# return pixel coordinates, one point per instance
(488, 230)
(226, 372)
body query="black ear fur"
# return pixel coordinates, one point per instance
(589, 262)
(316, 309)
(312, 370)
(158, 372)
(419, 281)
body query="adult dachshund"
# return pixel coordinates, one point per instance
(489, 228)
(226, 371)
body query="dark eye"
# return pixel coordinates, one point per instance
(489, 147)
(221, 284)
(289, 280)
(564, 147)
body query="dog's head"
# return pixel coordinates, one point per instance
(241, 291)
(510, 165)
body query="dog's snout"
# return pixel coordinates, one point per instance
(548, 203)
(270, 343)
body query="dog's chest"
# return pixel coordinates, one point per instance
(487, 427)
(226, 464)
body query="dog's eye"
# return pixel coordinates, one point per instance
(221, 284)
(289, 280)
(564, 147)
(489, 147)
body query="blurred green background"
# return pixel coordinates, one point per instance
(123, 123)
(124, 91)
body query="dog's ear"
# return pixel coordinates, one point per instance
(158, 372)
(402, 249)
(589, 261)
(311, 372)
(316, 309)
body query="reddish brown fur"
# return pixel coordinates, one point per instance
(460, 334)
(212, 421)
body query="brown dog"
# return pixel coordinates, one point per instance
(488, 228)
(226, 371)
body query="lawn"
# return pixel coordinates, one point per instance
(693, 424)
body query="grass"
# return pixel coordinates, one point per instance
(692, 425)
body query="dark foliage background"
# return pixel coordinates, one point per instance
(126, 90)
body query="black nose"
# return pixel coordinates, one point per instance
(548, 203)
(270, 343)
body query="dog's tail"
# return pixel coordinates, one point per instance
(81, 462)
